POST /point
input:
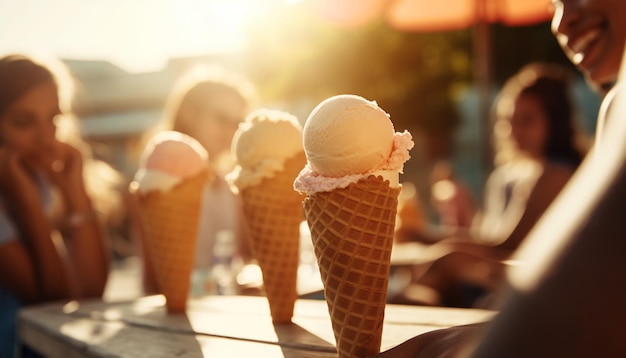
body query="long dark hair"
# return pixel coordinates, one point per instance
(549, 84)
(18, 75)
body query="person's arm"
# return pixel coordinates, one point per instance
(17, 272)
(85, 237)
(32, 266)
(86, 245)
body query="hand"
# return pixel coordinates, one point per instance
(16, 179)
(63, 164)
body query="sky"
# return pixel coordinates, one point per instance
(137, 35)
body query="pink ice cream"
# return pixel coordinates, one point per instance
(348, 138)
(169, 158)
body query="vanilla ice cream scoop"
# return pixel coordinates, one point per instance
(347, 134)
(346, 138)
(262, 144)
(169, 158)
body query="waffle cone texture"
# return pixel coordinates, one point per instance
(273, 212)
(352, 232)
(170, 220)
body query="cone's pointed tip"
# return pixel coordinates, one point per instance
(176, 310)
(282, 321)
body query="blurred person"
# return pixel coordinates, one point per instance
(411, 218)
(568, 299)
(538, 148)
(536, 155)
(208, 103)
(53, 196)
(451, 199)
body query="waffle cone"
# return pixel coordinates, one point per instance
(352, 232)
(273, 212)
(170, 220)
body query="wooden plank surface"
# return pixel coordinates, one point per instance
(218, 326)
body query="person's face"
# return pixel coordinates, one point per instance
(529, 126)
(27, 125)
(216, 122)
(592, 33)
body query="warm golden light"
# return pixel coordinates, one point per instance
(88, 331)
(138, 35)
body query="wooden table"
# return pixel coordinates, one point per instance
(215, 326)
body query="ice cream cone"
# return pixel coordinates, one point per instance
(352, 231)
(170, 221)
(273, 212)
